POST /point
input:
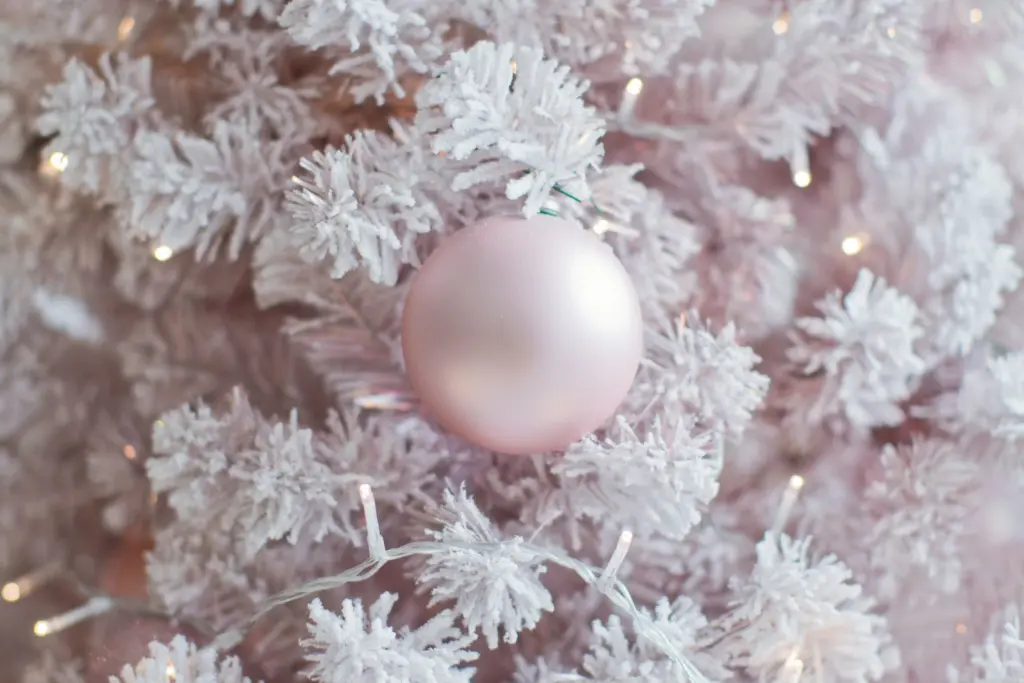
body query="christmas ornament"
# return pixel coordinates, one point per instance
(522, 335)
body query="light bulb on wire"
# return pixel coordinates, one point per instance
(630, 95)
(789, 498)
(800, 166)
(781, 25)
(792, 669)
(124, 29)
(23, 586)
(57, 163)
(96, 606)
(853, 244)
(11, 592)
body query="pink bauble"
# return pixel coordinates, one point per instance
(522, 335)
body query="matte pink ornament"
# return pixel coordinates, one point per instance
(522, 335)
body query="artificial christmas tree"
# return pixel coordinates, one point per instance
(214, 466)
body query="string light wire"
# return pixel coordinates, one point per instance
(604, 578)
(613, 588)
(23, 586)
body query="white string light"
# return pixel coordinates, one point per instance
(163, 253)
(799, 164)
(616, 592)
(854, 244)
(95, 607)
(374, 538)
(630, 95)
(383, 401)
(603, 226)
(124, 29)
(789, 498)
(793, 669)
(15, 590)
(11, 592)
(604, 582)
(801, 170)
(976, 15)
(57, 163)
(781, 25)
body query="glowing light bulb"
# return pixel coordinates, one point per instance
(853, 245)
(602, 226)
(792, 670)
(163, 253)
(124, 29)
(171, 672)
(130, 452)
(630, 95)
(802, 179)
(366, 494)
(11, 592)
(59, 161)
(891, 31)
(374, 539)
(976, 15)
(781, 25)
(789, 497)
(93, 608)
(961, 628)
(21, 587)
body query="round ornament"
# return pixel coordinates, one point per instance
(522, 335)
